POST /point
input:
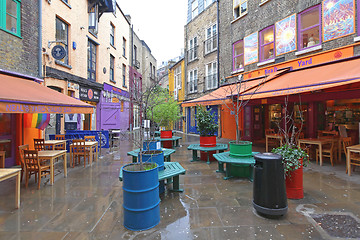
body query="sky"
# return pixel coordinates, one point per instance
(160, 23)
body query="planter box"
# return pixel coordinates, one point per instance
(208, 141)
(243, 149)
(166, 134)
(294, 184)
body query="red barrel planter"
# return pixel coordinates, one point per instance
(294, 184)
(166, 134)
(208, 141)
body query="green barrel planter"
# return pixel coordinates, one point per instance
(243, 149)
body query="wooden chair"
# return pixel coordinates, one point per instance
(272, 143)
(269, 131)
(91, 139)
(323, 133)
(79, 150)
(60, 146)
(22, 161)
(39, 144)
(354, 157)
(328, 150)
(2, 159)
(33, 164)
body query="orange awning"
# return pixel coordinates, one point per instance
(221, 95)
(19, 95)
(309, 79)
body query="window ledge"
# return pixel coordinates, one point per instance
(238, 71)
(124, 57)
(113, 81)
(208, 53)
(308, 50)
(113, 46)
(263, 3)
(266, 62)
(357, 39)
(239, 17)
(193, 60)
(67, 4)
(124, 86)
(63, 64)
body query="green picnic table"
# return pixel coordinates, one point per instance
(171, 170)
(221, 147)
(235, 166)
(174, 139)
(167, 153)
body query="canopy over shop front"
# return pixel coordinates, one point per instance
(19, 95)
(309, 80)
(221, 95)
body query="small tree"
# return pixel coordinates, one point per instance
(206, 124)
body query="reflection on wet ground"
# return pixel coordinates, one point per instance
(88, 204)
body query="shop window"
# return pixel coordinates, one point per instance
(267, 44)
(112, 64)
(239, 8)
(238, 55)
(10, 16)
(91, 61)
(61, 36)
(309, 27)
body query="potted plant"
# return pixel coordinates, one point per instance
(206, 126)
(294, 158)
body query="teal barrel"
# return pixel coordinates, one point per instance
(141, 197)
(155, 156)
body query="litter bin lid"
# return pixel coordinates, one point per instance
(267, 156)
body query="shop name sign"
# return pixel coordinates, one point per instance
(23, 108)
(89, 94)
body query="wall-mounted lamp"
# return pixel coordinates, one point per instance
(108, 48)
(82, 28)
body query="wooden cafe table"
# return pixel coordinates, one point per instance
(319, 142)
(350, 149)
(52, 143)
(52, 155)
(92, 145)
(273, 136)
(6, 173)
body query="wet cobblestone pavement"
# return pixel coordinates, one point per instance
(88, 204)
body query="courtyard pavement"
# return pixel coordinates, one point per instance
(88, 204)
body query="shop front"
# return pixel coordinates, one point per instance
(113, 112)
(91, 96)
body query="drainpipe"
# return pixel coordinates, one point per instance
(218, 63)
(185, 76)
(40, 39)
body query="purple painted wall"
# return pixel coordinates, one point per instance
(113, 109)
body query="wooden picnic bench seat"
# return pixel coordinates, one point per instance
(172, 170)
(167, 153)
(244, 164)
(221, 147)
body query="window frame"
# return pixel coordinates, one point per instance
(3, 15)
(194, 8)
(193, 46)
(239, 6)
(112, 35)
(112, 69)
(234, 57)
(210, 77)
(177, 77)
(124, 75)
(92, 47)
(65, 60)
(193, 82)
(263, 45)
(124, 47)
(300, 30)
(93, 16)
(209, 40)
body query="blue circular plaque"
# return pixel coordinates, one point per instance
(58, 52)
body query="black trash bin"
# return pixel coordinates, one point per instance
(269, 193)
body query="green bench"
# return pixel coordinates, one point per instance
(221, 147)
(174, 139)
(172, 171)
(235, 166)
(167, 153)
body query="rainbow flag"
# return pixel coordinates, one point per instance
(36, 120)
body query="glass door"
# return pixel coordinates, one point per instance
(7, 137)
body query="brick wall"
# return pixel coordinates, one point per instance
(21, 54)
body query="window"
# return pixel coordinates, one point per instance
(10, 16)
(151, 73)
(193, 80)
(309, 27)
(124, 47)
(267, 44)
(61, 34)
(177, 77)
(194, 9)
(211, 76)
(91, 61)
(238, 55)
(112, 64)
(93, 21)
(192, 52)
(112, 35)
(239, 8)
(211, 39)
(207, 3)
(263, 1)
(154, 71)
(124, 75)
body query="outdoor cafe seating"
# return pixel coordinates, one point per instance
(35, 166)
(79, 151)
